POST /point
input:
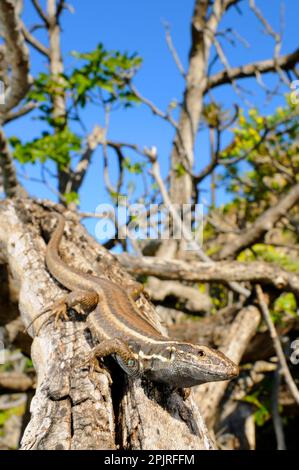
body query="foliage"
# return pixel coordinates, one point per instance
(134, 168)
(261, 399)
(284, 305)
(270, 254)
(107, 73)
(102, 77)
(58, 147)
(271, 150)
(262, 413)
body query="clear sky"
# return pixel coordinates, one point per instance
(137, 25)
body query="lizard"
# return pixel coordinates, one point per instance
(116, 322)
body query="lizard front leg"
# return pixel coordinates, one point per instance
(125, 357)
(87, 300)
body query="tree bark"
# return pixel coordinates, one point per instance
(73, 409)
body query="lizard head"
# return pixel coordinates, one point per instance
(186, 365)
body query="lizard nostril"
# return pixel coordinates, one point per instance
(201, 353)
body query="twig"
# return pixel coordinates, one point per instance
(155, 110)
(34, 41)
(277, 421)
(227, 67)
(277, 38)
(61, 5)
(27, 108)
(40, 11)
(277, 345)
(173, 50)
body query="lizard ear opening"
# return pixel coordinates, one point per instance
(201, 353)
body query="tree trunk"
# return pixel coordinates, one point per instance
(73, 408)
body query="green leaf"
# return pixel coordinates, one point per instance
(72, 197)
(58, 147)
(180, 170)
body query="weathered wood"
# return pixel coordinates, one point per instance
(222, 271)
(73, 409)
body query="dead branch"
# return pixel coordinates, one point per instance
(261, 225)
(40, 11)
(173, 50)
(286, 62)
(222, 271)
(34, 42)
(15, 381)
(191, 297)
(186, 234)
(277, 421)
(16, 55)
(277, 345)
(20, 112)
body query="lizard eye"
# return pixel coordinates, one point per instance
(201, 353)
(131, 363)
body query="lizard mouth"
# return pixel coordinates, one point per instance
(231, 374)
(234, 372)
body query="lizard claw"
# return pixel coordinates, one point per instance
(94, 366)
(59, 309)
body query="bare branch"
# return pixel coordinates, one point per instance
(225, 63)
(93, 140)
(187, 236)
(286, 62)
(15, 381)
(173, 50)
(17, 57)
(277, 421)
(203, 29)
(222, 271)
(155, 110)
(34, 41)
(60, 6)
(27, 108)
(262, 224)
(277, 38)
(277, 345)
(40, 11)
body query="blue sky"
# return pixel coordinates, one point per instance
(135, 25)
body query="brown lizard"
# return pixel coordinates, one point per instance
(138, 347)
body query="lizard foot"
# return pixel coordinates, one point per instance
(59, 310)
(94, 366)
